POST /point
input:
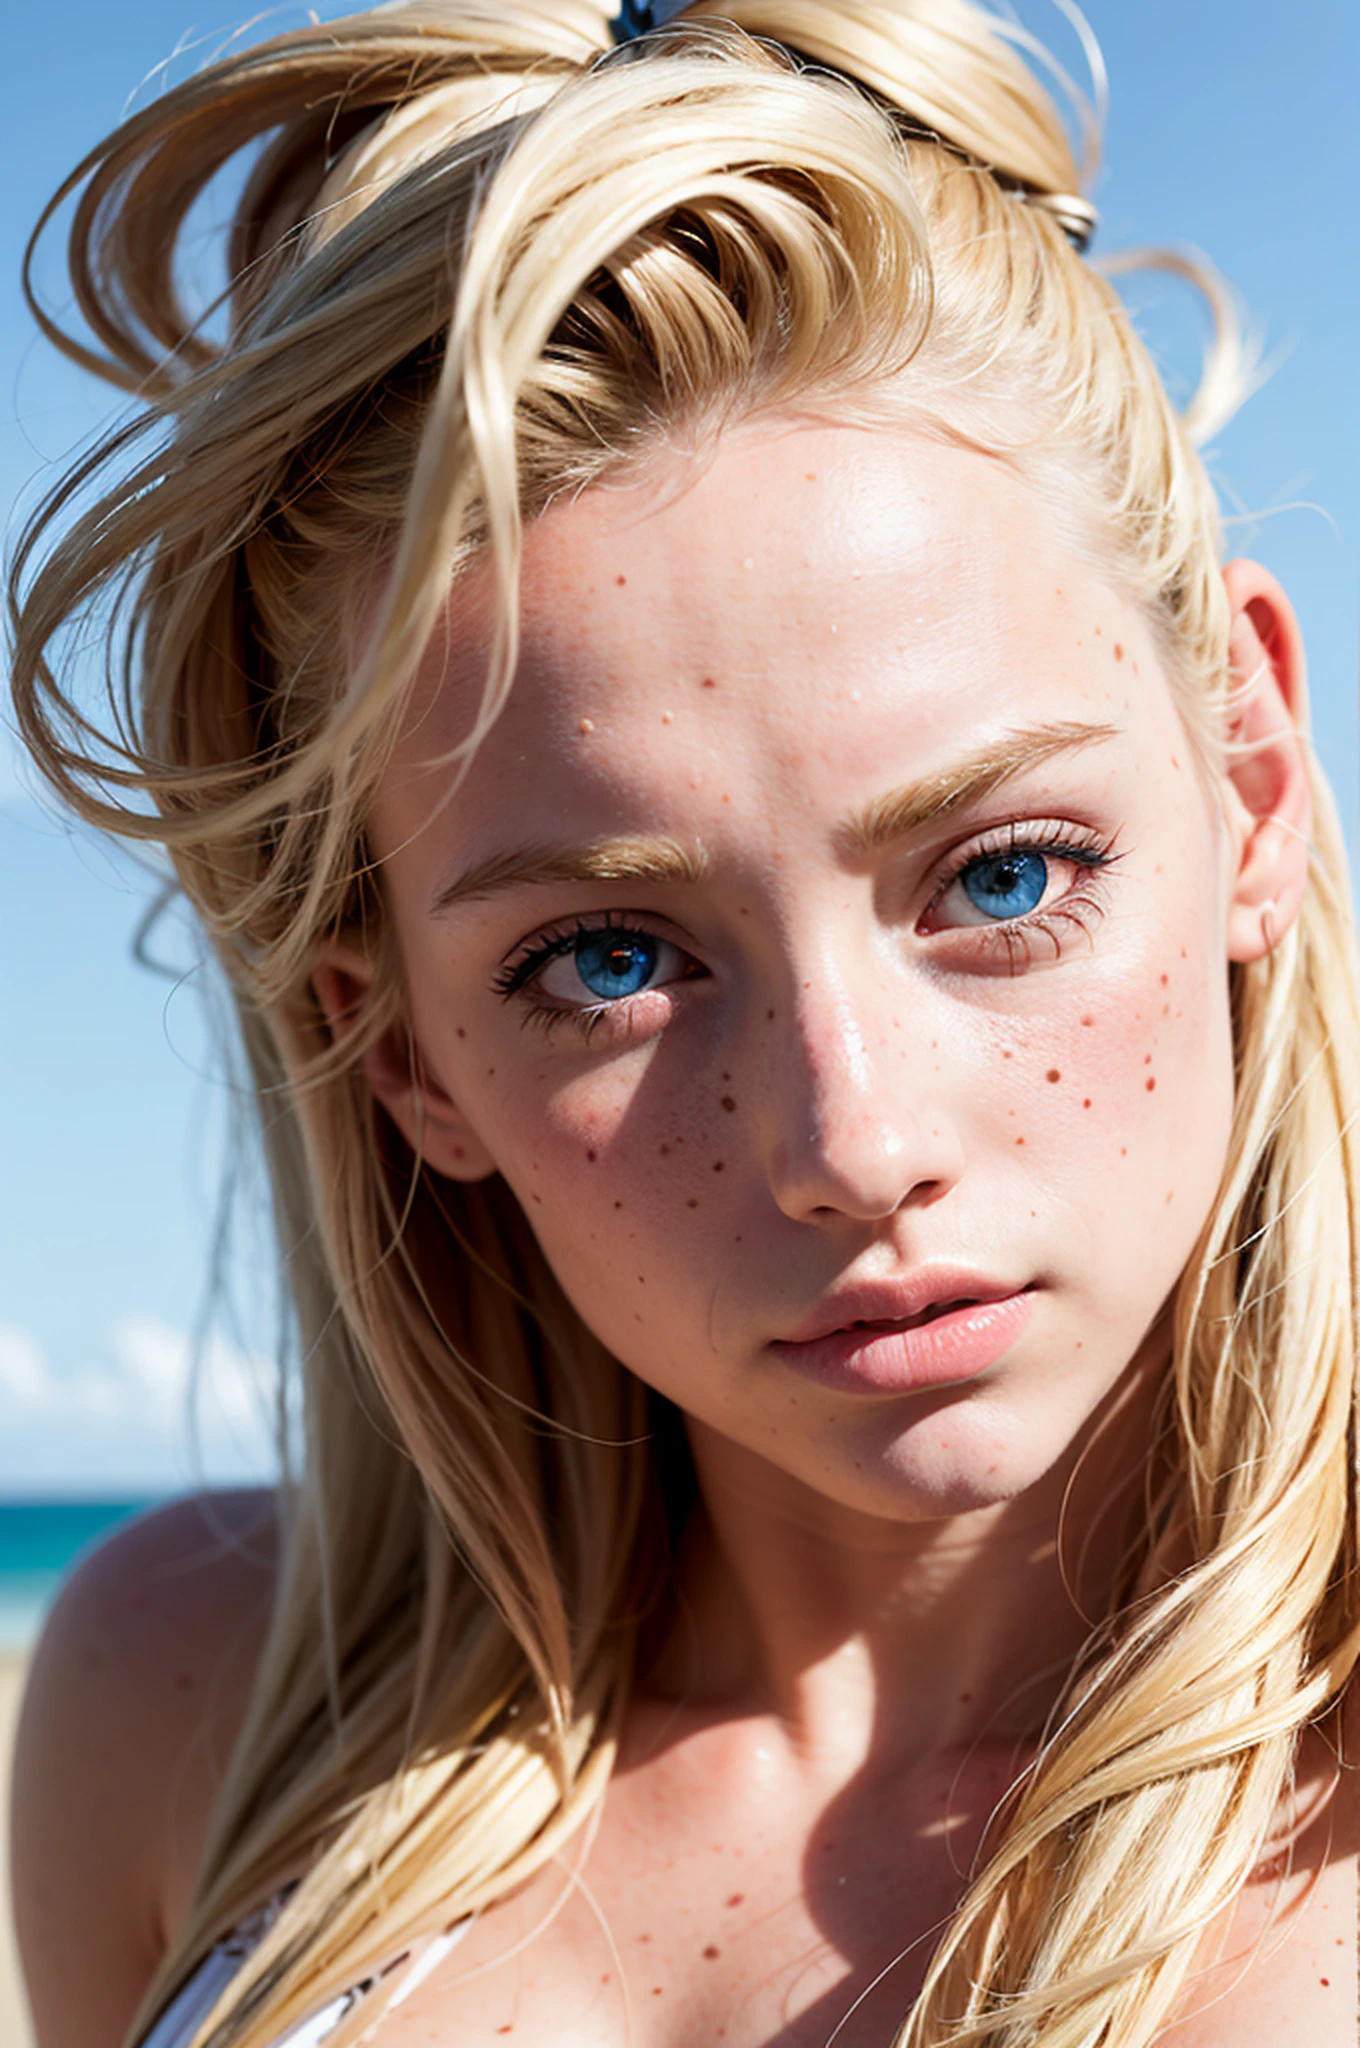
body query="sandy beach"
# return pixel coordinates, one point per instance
(14, 2027)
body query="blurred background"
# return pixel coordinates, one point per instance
(1234, 126)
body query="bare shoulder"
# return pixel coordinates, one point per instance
(134, 1700)
(1283, 1969)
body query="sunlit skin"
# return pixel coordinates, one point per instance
(839, 1067)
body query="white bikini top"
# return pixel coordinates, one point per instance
(193, 1999)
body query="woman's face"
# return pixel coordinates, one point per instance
(832, 928)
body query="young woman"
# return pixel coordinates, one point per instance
(797, 972)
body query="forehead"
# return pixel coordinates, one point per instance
(780, 610)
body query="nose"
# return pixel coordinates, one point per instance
(857, 1127)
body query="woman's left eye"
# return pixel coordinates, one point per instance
(1012, 882)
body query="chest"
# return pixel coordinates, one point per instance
(710, 1908)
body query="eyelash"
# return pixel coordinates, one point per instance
(1011, 937)
(1010, 941)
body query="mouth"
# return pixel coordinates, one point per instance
(946, 1334)
(888, 1324)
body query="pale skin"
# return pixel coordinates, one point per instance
(833, 1072)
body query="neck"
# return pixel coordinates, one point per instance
(874, 1642)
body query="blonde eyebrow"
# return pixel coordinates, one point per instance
(600, 860)
(918, 804)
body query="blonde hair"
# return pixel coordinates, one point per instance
(478, 263)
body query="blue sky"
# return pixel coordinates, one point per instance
(1234, 126)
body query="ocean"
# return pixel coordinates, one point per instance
(39, 1542)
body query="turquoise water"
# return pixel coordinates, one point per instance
(39, 1541)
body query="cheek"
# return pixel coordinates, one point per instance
(628, 1189)
(1124, 1110)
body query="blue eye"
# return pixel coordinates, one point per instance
(1006, 884)
(595, 966)
(616, 963)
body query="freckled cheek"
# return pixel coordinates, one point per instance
(1141, 1077)
(597, 1162)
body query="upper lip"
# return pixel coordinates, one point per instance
(898, 1300)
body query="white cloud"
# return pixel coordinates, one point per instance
(24, 1377)
(141, 1415)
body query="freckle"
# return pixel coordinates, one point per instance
(461, 1032)
(1118, 651)
(620, 580)
(726, 798)
(710, 1953)
(769, 1016)
(605, 1978)
(1088, 1022)
(1174, 762)
(491, 1073)
(642, 1280)
(1166, 1009)
(539, 1200)
(737, 1899)
(656, 1991)
(1165, 979)
(717, 1166)
(708, 683)
(1123, 1151)
(1170, 1197)
(1004, 1054)
(1053, 1075)
(1019, 1141)
(1184, 954)
(728, 1104)
(664, 1150)
(587, 725)
(737, 1238)
(1151, 1083)
(726, 1076)
(1086, 1103)
(591, 1154)
(812, 476)
(692, 1203)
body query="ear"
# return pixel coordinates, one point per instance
(427, 1117)
(1270, 806)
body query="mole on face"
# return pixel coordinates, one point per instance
(1053, 1075)
(728, 1104)
(708, 683)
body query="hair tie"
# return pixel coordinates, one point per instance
(1076, 216)
(639, 17)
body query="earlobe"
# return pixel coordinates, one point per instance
(427, 1117)
(1270, 807)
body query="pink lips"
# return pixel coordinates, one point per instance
(935, 1329)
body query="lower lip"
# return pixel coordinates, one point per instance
(952, 1347)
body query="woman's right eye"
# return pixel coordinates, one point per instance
(607, 966)
(593, 967)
